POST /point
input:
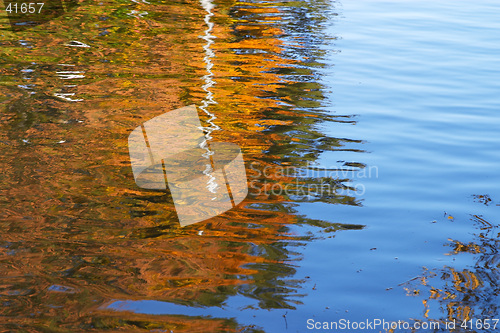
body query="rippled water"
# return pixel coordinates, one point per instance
(369, 131)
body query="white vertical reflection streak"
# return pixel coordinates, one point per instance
(212, 185)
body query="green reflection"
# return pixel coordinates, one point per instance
(71, 214)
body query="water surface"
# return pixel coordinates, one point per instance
(369, 131)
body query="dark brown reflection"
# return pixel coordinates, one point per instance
(76, 230)
(25, 15)
(469, 296)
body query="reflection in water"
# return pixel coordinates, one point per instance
(23, 16)
(468, 296)
(65, 93)
(78, 233)
(212, 184)
(208, 78)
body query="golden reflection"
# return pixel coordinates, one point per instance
(71, 214)
(465, 296)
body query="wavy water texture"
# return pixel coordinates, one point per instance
(369, 132)
(97, 237)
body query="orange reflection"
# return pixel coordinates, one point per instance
(72, 215)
